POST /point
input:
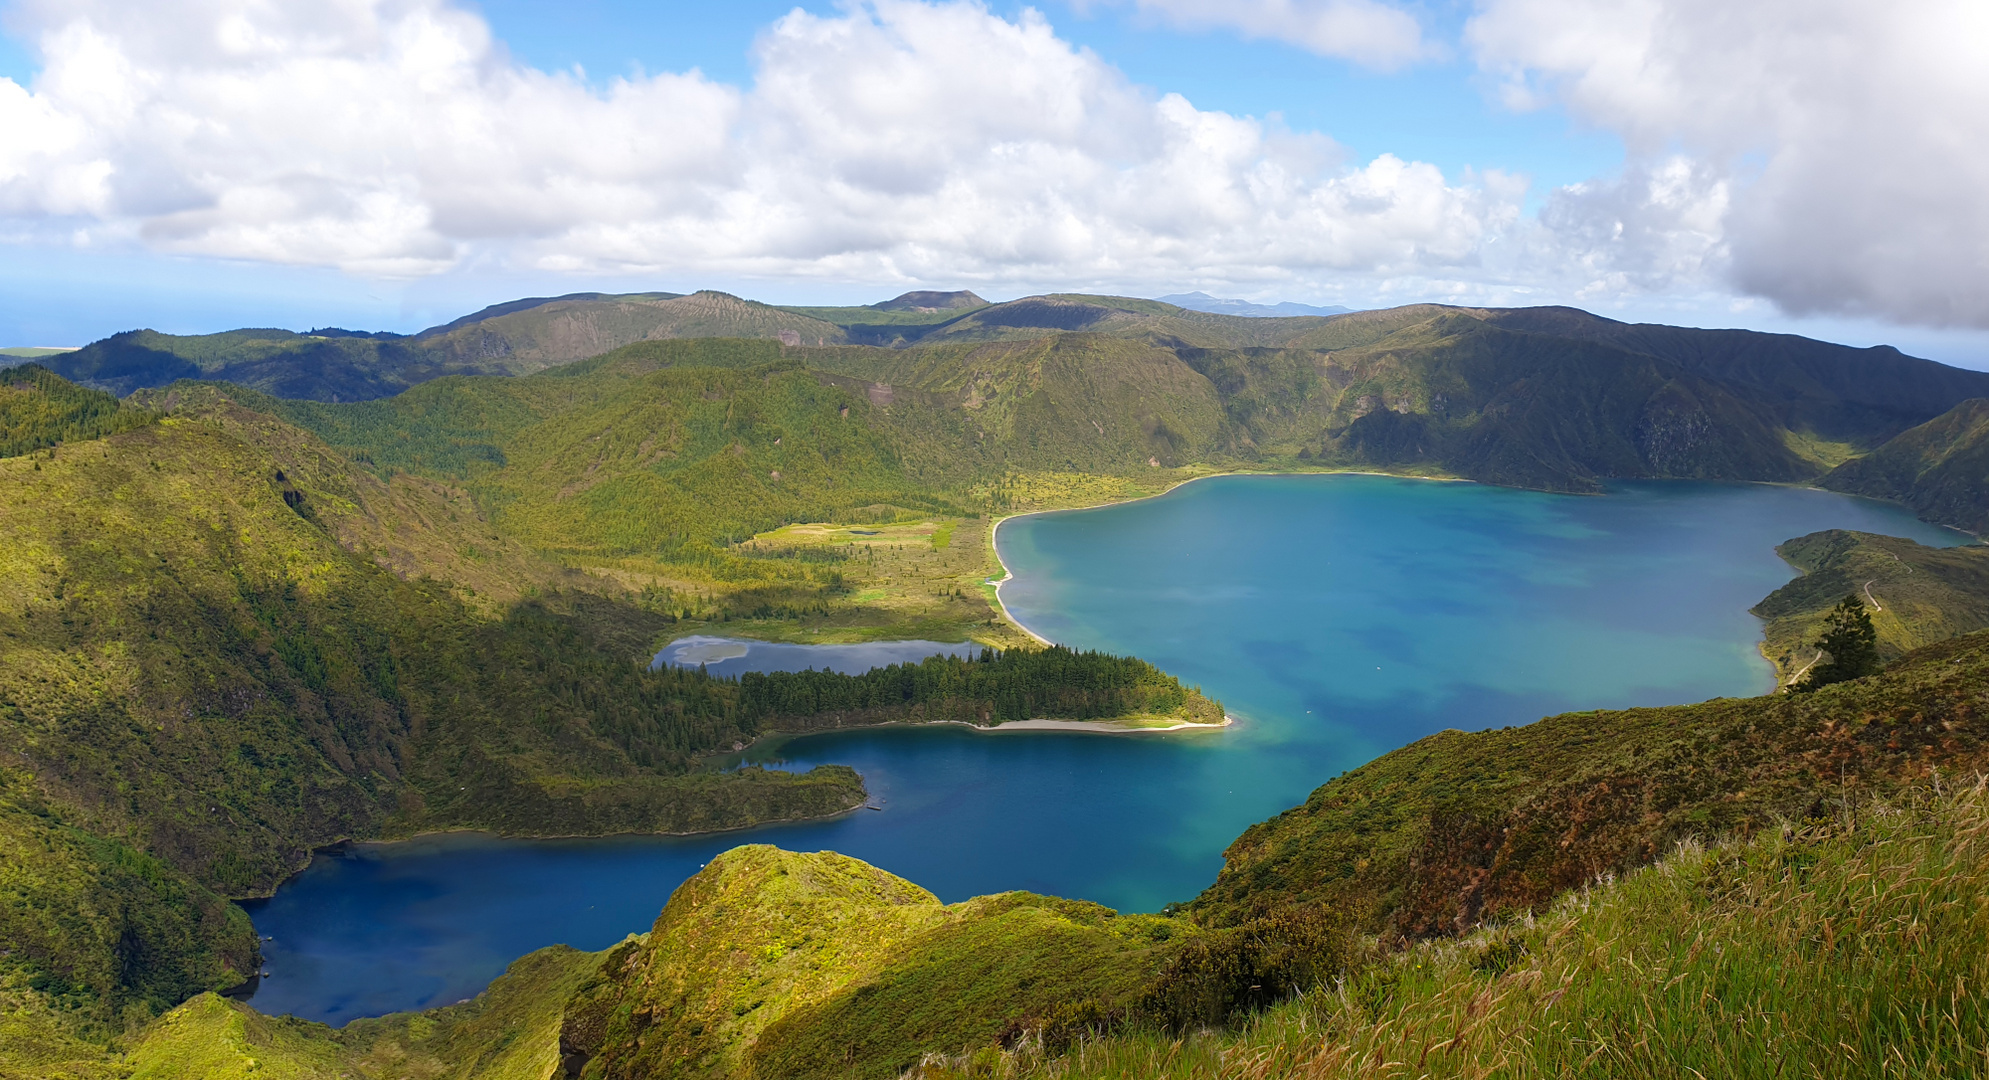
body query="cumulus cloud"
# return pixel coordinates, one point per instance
(1829, 155)
(896, 140)
(1367, 32)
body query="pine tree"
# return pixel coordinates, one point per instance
(1850, 642)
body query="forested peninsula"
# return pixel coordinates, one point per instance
(290, 589)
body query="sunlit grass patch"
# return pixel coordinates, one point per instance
(1845, 948)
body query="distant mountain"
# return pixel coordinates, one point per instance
(1201, 301)
(932, 301)
(514, 338)
(512, 307)
(1550, 398)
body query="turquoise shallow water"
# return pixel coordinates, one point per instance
(1337, 617)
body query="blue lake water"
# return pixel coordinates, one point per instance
(1338, 617)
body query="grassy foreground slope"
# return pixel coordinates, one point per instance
(1851, 945)
(1460, 828)
(775, 964)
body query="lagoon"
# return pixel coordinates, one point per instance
(1337, 617)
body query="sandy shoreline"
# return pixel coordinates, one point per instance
(1083, 727)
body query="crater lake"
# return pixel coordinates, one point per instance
(1336, 617)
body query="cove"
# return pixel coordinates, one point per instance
(1337, 617)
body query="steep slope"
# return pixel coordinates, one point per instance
(1451, 393)
(197, 665)
(1833, 393)
(1076, 402)
(1461, 828)
(98, 931)
(1821, 949)
(1940, 469)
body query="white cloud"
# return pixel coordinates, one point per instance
(898, 140)
(1829, 155)
(1368, 32)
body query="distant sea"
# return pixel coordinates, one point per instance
(1337, 617)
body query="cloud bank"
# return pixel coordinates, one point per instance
(1830, 155)
(897, 140)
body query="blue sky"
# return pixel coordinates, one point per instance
(1596, 223)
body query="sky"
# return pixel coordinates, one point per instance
(1804, 166)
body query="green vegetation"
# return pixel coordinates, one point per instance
(508, 1032)
(1937, 468)
(1844, 946)
(1848, 645)
(196, 665)
(990, 689)
(674, 466)
(1458, 828)
(39, 409)
(776, 964)
(106, 934)
(507, 339)
(239, 625)
(225, 645)
(1915, 595)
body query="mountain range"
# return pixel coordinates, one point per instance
(1201, 301)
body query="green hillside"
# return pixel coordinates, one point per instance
(1940, 469)
(774, 964)
(1836, 947)
(1914, 595)
(39, 409)
(516, 338)
(1462, 828)
(198, 666)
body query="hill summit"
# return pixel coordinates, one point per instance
(931, 301)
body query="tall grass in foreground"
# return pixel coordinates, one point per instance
(1850, 948)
